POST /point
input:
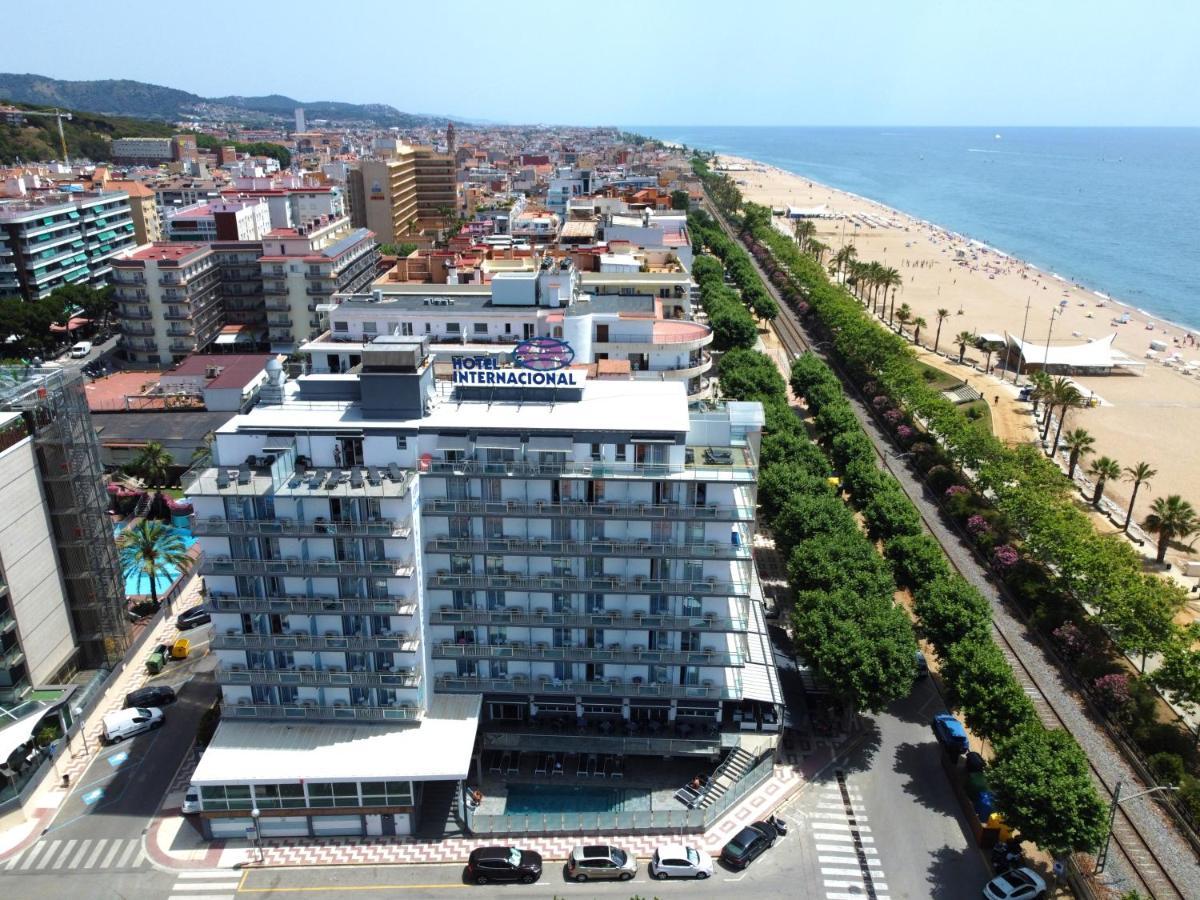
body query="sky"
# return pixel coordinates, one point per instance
(657, 62)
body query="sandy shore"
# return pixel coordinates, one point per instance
(1153, 417)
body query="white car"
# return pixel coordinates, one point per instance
(680, 861)
(80, 350)
(1016, 884)
(191, 801)
(125, 723)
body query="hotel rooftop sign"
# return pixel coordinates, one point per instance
(535, 363)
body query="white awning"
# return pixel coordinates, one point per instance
(453, 442)
(552, 444)
(226, 339)
(498, 441)
(1097, 354)
(760, 678)
(439, 749)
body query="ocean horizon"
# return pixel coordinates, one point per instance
(1113, 209)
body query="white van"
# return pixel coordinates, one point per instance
(128, 722)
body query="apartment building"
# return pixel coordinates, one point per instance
(151, 151)
(397, 566)
(225, 220)
(436, 187)
(143, 210)
(290, 206)
(640, 319)
(62, 604)
(303, 268)
(168, 298)
(61, 238)
(405, 193)
(241, 292)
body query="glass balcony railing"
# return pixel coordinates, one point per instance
(392, 606)
(395, 643)
(310, 710)
(543, 618)
(211, 526)
(701, 464)
(302, 676)
(507, 581)
(544, 684)
(630, 549)
(614, 653)
(580, 510)
(306, 568)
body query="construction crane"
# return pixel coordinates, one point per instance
(59, 115)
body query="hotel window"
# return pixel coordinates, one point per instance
(691, 607)
(659, 605)
(289, 695)
(324, 793)
(497, 636)
(596, 453)
(401, 442)
(620, 453)
(595, 603)
(386, 793)
(226, 797)
(368, 327)
(493, 529)
(495, 599)
(341, 327)
(493, 565)
(480, 328)
(453, 328)
(562, 603)
(279, 796)
(406, 329)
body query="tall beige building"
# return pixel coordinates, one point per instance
(142, 209)
(404, 194)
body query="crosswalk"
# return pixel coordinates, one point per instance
(846, 853)
(74, 855)
(205, 884)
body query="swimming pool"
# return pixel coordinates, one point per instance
(138, 584)
(552, 798)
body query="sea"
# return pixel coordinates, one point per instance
(1114, 209)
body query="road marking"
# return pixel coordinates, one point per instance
(362, 887)
(92, 796)
(210, 873)
(841, 817)
(118, 758)
(32, 853)
(837, 848)
(116, 845)
(83, 849)
(859, 883)
(844, 859)
(59, 860)
(96, 853)
(192, 896)
(852, 895)
(128, 854)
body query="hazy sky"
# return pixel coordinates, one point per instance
(666, 62)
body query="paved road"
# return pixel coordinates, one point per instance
(97, 832)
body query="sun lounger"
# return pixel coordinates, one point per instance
(619, 768)
(557, 765)
(592, 765)
(222, 478)
(356, 478)
(244, 474)
(494, 766)
(394, 472)
(373, 476)
(610, 767)
(581, 768)
(542, 760)
(514, 764)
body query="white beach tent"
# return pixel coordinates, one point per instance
(1094, 358)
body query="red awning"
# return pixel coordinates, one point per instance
(72, 324)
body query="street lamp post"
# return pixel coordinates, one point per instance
(1020, 353)
(256, 814)
(1102, 856)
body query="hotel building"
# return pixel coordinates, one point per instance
(404, 573)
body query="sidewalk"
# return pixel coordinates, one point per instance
(175, 843)
(79, 752)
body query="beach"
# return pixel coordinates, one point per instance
(1151, 417)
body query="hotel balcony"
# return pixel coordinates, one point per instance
(548, 583)
(277, 304)
(637, 620)
(311, 711)
(233, 603)
(615, 687)
(613, 653)
(306, 568)
(635, 549)
(137, 330)
(675, 334)
(681, 373)
(228, 481)
(676, 739)
(304, 676)
(236, 640)
(701, 464)
(216, 526)
(742, 512)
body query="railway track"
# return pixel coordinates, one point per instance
(1130, 844)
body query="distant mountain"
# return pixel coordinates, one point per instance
(153, 101)
(88, 135)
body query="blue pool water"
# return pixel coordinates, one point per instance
(138, 584)
(547, 798)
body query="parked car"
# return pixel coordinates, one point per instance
(80, 350)
(680, 861)
(950, 734)
(129, 722)
(599, 861)
(494, 864)
(154, 695)
(922, 665)
(1016, 884)
(193, 618)
(749, 844)
(191, 801)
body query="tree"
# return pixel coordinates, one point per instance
(844, 257)
(963, 339)
(1142, 616)
(950, 609)
(680, 200)
(942, 315)
(1139, 474)
(1044, 789)
(891, 279)
(1179, 673)
(1040, 383)
(903, 316)
(917, 560)
(1078, 443)
(804, 230)
(982, 686)
(153, 464)
(810, 515)
(918, 323)
(398, 250)
(889, 512)
(1103, 469)
(1060, 393)
(1171, 517)
(817, 249)
(152, 549)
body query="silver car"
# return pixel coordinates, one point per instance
(597, 861)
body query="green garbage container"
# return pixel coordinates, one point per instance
(154, 662)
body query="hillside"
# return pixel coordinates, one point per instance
(88, 135)
(153, 101)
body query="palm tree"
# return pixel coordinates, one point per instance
(1071, 399)
(1061, 393)
(1040, 383)
(1170, 517)
(986, 348)
(903, 316)
(890, 279)
(1139, 474)
(942, 315)
(918, 324)
(843, 257)
(804, 229)
(1078, 443)
(152, 549)
(1103, 469)
(817, 249)
(153, 464)
(963, 338)
(875, 278)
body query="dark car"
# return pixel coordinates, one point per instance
(749, 844)
(155, 695)
(193, 618)
(950, 734)
(494, 864)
